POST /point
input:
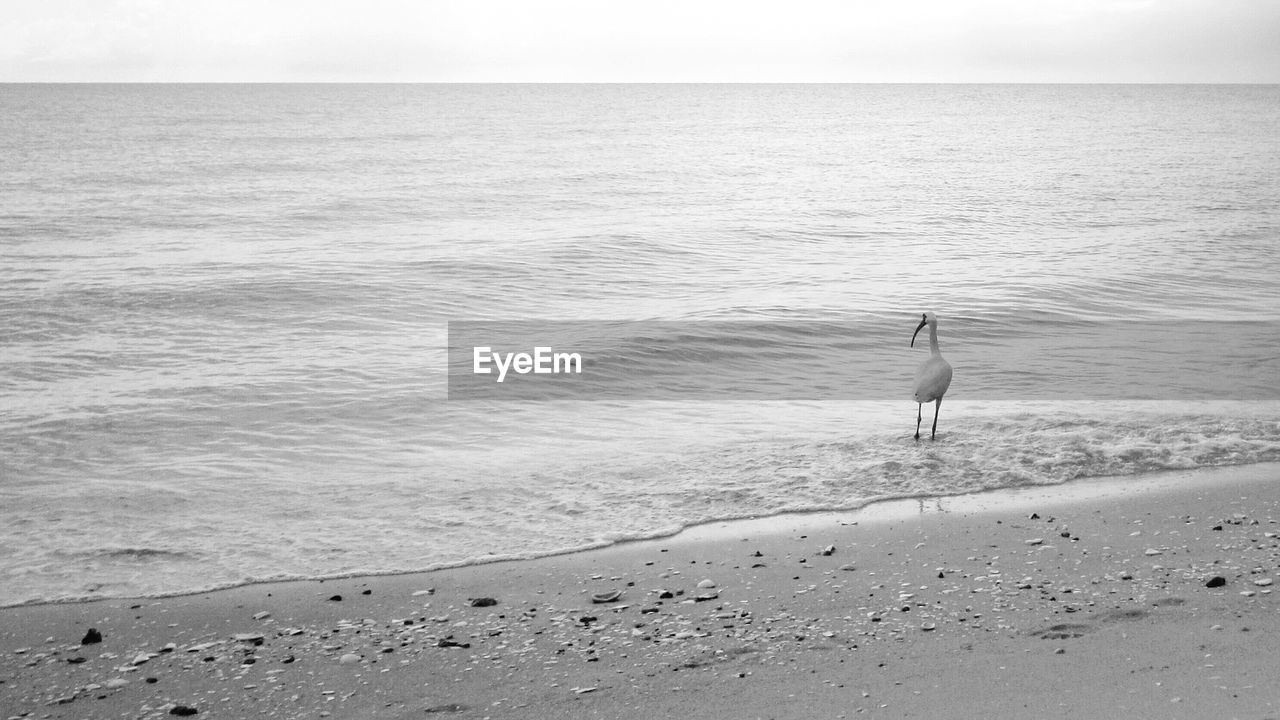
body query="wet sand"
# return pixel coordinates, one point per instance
(1087, 600)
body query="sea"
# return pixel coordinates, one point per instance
(229, 314)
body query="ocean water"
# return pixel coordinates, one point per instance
(225, 311)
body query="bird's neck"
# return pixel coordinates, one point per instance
(933, 341)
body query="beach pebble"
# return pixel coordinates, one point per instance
(1263, 582)
(141, 658)
(1035, 541)
(706, 585)
(606, 597)
(848, 567)
(447, 708)
(262, 615)
(829, 550)
(1151, 552)
(91, 637)
(115, 683)
(349, 659)
(248, 637)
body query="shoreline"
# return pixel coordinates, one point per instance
(876, 510)
(1004, 601)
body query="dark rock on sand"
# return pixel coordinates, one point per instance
(483, 602)
(91, 637)
(1216, 581)
(336, 598)
(183, 710)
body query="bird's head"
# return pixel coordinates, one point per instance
(925, 319)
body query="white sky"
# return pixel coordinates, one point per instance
(641, 40)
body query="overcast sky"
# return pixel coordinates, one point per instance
(641, 40)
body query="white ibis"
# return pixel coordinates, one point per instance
(933, 377)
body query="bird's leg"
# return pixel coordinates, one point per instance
(919, 417)
(937, 405)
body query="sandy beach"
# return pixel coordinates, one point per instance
(1088, 600)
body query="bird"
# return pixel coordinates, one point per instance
(933, 377)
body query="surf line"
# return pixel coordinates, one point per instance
(543, 361)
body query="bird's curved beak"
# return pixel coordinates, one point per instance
(917, 332)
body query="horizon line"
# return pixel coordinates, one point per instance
(637, 82)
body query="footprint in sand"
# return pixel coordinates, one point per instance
(1134, 614)
(1067, 631)
(1062, 631)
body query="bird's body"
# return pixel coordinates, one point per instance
(933, 377)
